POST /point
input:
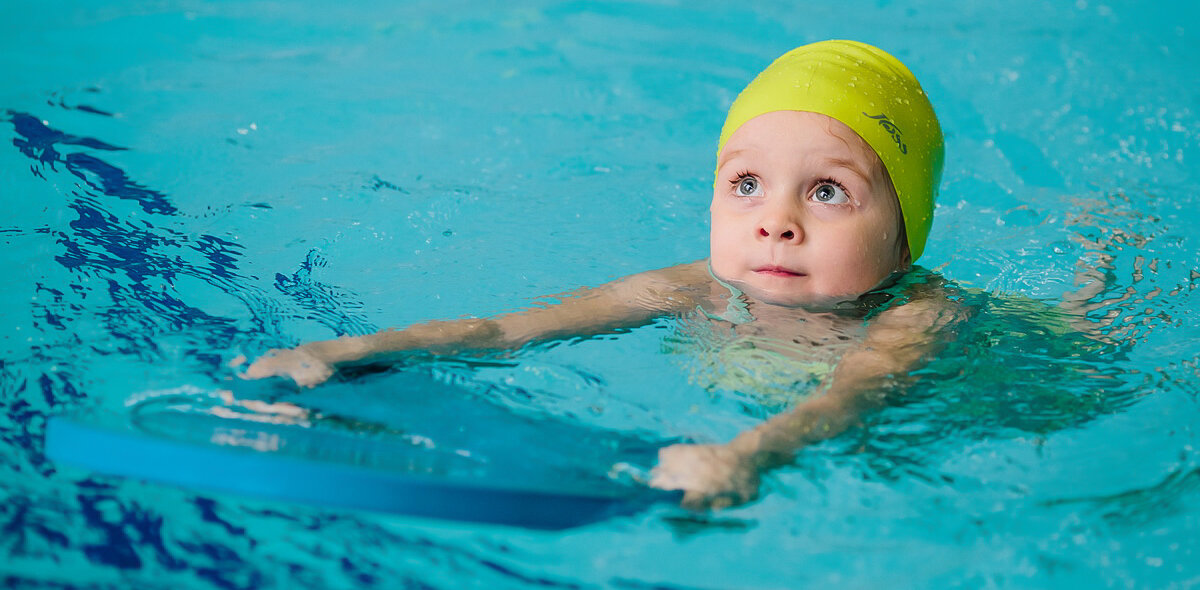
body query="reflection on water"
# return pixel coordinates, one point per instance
(1018, 368)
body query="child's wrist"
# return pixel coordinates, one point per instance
(344, 350)
(753, 447)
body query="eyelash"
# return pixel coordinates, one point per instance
(839, 185)
(747, 174)
(743, 175)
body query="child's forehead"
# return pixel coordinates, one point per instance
(782, 132)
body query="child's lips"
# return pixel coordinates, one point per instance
(778, 271)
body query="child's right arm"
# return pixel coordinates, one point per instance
(624, 303)
(898, 341)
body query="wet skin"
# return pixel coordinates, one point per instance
(803, 212)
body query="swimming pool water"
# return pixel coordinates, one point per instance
(185, 182)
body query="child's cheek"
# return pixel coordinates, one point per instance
(830, 213)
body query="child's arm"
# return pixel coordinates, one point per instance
(625, 303)
(896, 342)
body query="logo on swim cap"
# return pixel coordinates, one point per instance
(891, 128)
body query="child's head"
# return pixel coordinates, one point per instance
(826, 172)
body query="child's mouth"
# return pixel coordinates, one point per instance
(778, 271)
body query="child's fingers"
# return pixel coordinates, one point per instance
(303, 368)
(672, 471)
(312, 375)
(260, 369)
(711, 476)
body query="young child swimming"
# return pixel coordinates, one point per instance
(827, 169)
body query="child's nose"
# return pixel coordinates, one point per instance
(782, 226)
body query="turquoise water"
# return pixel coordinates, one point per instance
(186, 182)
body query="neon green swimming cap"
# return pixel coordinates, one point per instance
(870, 92)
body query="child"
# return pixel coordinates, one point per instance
(827, 168)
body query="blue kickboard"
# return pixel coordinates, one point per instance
(435, 473)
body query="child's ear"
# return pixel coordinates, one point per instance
(905, 255)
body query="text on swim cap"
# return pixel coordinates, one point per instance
(891, 128)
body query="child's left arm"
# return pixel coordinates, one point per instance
(897, 341)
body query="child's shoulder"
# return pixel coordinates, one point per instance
(681, 280)
(920, 298)
(666, 290)
(924, 297)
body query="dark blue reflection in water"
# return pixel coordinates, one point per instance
(119, 299)
(134, 260)
(121, 274)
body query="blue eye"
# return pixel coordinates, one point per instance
(747, 186)
(830, 194)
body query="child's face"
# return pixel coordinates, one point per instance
(803, 212)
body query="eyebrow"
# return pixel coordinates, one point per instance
(727, 156)
(851, 166)
(831, 161)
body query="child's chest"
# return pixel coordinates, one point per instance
(772, 354)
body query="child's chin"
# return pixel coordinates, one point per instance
(813, 301)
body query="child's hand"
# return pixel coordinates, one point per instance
(300, 364)
(711, 476)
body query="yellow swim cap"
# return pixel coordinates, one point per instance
(870, 92)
